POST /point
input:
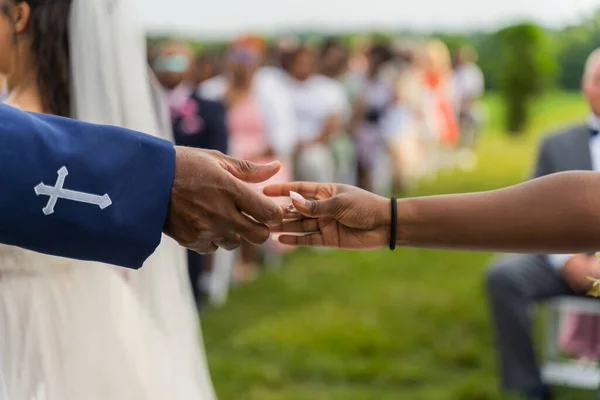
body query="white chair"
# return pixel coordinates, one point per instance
(561, 371)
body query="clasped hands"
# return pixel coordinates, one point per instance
(212, 206)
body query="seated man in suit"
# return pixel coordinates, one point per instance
(106, 194)
(514, 283)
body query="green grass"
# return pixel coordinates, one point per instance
(409, 324)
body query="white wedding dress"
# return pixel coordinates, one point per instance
(74, 330)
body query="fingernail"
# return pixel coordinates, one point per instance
(297, 197)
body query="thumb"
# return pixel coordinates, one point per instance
(248, 171)
(314, 208)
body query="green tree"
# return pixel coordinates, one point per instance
(527, 68)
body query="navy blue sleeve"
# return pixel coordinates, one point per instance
(82, 191)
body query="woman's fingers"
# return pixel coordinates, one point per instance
(306, 189)
(315, 208)
(297, 226)
(314, 239)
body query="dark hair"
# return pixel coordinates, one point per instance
(381, 53)
(289, 58)
(48, 26)
(329, 44)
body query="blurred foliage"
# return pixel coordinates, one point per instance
(526, 68)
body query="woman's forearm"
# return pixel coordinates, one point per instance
(559, 213)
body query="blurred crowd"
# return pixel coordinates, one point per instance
(377, 115)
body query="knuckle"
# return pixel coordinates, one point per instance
(313, 206)
(272, 212)
(337, 207)
(187, 239)
(243, 165)
(211, 250)
(214, 153)
(262, 235)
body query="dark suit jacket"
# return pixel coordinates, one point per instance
(205, 128)
(134, 171)
(568, 150)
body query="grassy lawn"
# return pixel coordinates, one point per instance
(409, 324)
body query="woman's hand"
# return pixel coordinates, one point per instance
(339, 216)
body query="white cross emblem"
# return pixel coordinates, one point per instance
(55, 192)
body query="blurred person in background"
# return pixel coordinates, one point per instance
(318, 112)
(405, 123)
(375, 97)
(469, 84)
(206, 66)
(441, 119)
(276, 54)
(515, 283)
(333, 58)
(259, 118)
(74, 329)
(196, 122)
(358, 62)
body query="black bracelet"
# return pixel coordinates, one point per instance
(393, 231)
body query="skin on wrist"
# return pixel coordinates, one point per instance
(406, 218)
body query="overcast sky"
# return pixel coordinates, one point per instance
(215, 17)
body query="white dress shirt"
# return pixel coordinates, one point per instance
(314, 100)
(559, 260)
(469, 82)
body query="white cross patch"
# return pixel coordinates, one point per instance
(58, 192)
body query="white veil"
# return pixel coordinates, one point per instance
(111, 85)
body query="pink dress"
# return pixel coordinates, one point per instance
(248, 137)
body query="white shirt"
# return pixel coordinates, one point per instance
(559, 260)
(468, 82)
(314, 100)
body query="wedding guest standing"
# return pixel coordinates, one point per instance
(318, 107)
(469, 87)
(334, 65)
(259, 118)
(438, 80)
(196, 122)
(375, 98)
